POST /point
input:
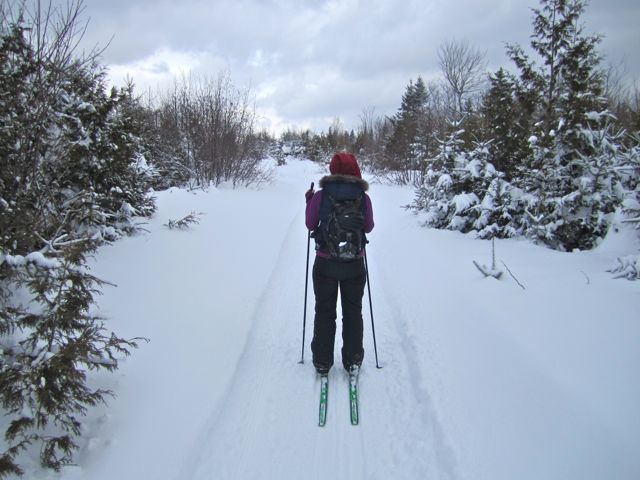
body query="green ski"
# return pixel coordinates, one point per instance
(324, 397)
(353, 396)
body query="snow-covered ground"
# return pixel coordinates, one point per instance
(481, 379)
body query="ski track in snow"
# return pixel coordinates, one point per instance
(433, 454)
(272, 393)
(480, 380)
(399, 435)
(421, 442)
(258, 397)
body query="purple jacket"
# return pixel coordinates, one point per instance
(312, 219)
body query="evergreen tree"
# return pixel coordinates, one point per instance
(97, 165)
(463, 191)
(406, 147)
(71, 175)
(47, 349)
(565, 96)
(599, 190)
(505, 124)
(629, 266)
(434, 197)
(19, 133)
(497, 210)
(569, 84)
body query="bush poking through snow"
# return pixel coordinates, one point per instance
(626, 267)
(185, 222)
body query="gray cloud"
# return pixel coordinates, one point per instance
(309, 61)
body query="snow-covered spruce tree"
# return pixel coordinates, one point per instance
(47, 349)
(499, 207)
(406, 148)
(434, 197)
(319, 148)
(505, 124)
(599, 188)
(463, 191)
(630, 166)
(567, 90)
(16, 67)
(66, 157)
(96, 166)
(288, 147)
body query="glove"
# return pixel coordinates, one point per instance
(308, 194)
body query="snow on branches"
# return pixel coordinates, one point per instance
(184, 222)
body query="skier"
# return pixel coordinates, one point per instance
(339, 262)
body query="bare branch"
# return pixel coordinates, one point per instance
(463, 67)
(512, 276)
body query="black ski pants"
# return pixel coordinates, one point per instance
(350, 278)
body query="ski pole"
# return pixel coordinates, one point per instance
(373, 328)
(306, 286)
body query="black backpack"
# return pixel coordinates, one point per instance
(342, 234)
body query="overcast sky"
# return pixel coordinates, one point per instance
(310, 61)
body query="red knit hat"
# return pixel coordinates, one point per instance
(344, 164)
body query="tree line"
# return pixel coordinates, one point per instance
(548, 150)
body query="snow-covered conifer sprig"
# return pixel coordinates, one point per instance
(626, 267)
(191, 219)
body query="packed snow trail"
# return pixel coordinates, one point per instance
(481, 380)
(265, 426)
(194, 294)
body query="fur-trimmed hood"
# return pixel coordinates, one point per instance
(343, 179)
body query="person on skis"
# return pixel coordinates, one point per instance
(339, 215)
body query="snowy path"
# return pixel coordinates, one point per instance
(481, 380)
(265, 426)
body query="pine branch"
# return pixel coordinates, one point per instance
(185, 222)
(626, 267)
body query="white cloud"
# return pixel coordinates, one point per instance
(309, 61)
(157, 70)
